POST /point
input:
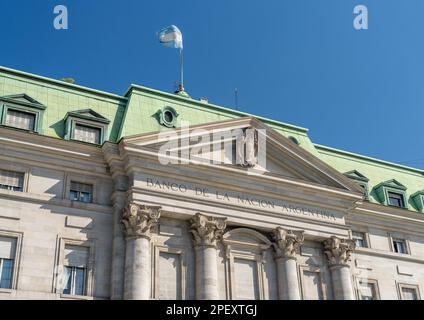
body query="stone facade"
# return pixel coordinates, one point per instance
(199, 231)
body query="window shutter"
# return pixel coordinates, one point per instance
(11, 178)
(76, 256)
(82, 187)
(7, 247)
(22, 120)
(87, 134)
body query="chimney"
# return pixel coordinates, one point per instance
(204, 100)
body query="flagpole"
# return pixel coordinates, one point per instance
(182, 69)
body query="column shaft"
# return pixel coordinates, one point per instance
(137, 269)
(206, 273)
(288, 281)
(342, 283)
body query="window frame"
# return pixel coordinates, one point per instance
(359, 179)
(392, 237)
(418, 199)
(59, 267)
(163, 121)
(374, 282)
(69, 177)
(312, 269)
(75, 123)
(18, 236)
(80, 192)
(390, 194)
(401, 285)
(158, 249)
(393, 186)
(96, 121)
(365, 237)
(24, 180)
(29, 106)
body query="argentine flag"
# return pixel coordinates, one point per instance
(171, 37)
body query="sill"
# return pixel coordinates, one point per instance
(20, 129)
(4, 290)
(87, 143)
(75, 297)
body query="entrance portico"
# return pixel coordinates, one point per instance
(293, 205)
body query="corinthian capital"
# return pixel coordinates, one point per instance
(287, 242)
(206, 230)
(338, 250)
(139, 219)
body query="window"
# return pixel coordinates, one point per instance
(168, 117)
(75, 269)
(409, 294)
(87, 134)
(396, 199)
(21, 111)
(399, 246)
(359, 238)
(392, 193)
(11, 180)
(81, 192)
(20, 119)
(360, 179)
(368, 290)
(409, 291)
(7, 257)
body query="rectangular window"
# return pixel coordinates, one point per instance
(368, 290)
(399, 246)
(170, 276)
(20, 119)
(81, 192)
(87, 134)
(246, 279)
(76, 261)
(11, 180)
(396, 199)
(409, 293)
(311, 285)
(7, 258)
(359, 238)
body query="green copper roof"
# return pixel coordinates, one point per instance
(136, 113)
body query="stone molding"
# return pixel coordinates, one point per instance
(206, 230)
(138, 220)
(338, 251)
(287, 242)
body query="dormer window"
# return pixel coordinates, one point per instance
(360, 179)
(86, 126)
(392, 193)
(21, 112)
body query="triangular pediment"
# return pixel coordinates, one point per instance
(392, 184)
(283, 158)
(88, 114)
(356, 175)
(23, 99)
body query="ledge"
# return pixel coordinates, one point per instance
(388, 255)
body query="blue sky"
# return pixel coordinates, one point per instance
(296, 61)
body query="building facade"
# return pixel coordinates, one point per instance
(153, 195)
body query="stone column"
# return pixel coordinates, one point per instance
(338, 253)
(138, 221)
(206, 231)
(118, 247)
(286, 244)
